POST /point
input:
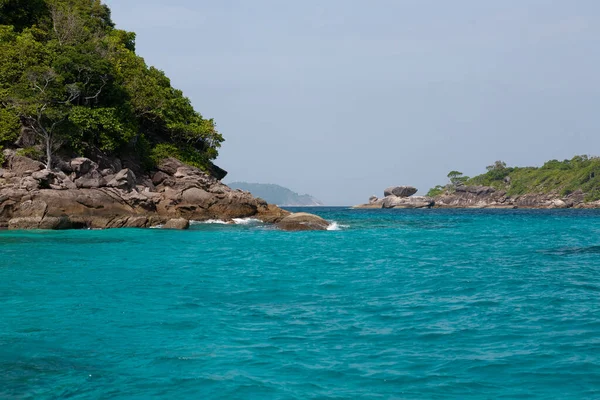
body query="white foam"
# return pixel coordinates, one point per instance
(209, 221)
(246, 221)
(334, 226)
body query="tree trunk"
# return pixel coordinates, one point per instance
(48, 152)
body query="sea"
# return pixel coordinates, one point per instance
(386, 304)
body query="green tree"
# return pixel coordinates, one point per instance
(70, 80)
(457, 178)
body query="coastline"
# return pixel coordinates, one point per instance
(81, 193)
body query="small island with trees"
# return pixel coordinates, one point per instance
(556, 184)
(573, 183)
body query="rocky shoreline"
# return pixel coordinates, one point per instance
(79, 193)
(476, 197)
(398, 197)
(489, 197)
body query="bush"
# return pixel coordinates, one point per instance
(436, 191)
(188, 155)
(30, 152)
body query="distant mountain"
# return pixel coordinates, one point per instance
(276, 194)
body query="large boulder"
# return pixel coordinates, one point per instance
(22, 166)
(44, 177)
(216, 171)
(124, 180)
(400, 191)
(81, 166)
(408, 202)
(92, 180)
(303, 222)
(177, 223)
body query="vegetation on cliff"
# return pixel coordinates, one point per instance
(558, 177)
(71, 84)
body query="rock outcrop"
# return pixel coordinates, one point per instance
(398, 197)
(303, 222)
(407, 202)
(400, 191)
(79, 193)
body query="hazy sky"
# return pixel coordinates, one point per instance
(341, 98)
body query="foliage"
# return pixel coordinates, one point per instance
(74, 82)
(187, 155)
(9, 127)
(30, 152)
(559, 177)
(436, 191)
(457, 178)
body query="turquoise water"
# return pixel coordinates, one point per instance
(399, 304)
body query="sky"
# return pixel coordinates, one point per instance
(343, 98)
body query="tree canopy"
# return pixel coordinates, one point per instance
(582, 173)
(71, 82)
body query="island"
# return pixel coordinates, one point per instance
(93, 137)
(278, 195)
(573, 183)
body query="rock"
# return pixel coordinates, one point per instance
(400, 191)
(557, 203)
(303, 222)
(476, 190)
(408, 202)
(32, 208)
(124, 180)
(196, 196)
(44, 177)
(217, 172)
(52, 223)
(373, 199)
(179, 223)
(185, 193)
(22, 166)
(271, 214)
(170, 166)
(90, 183)
(29, 183)
(159, 178)
(81, 166)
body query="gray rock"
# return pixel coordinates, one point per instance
(408, 202)
(82, 166)
(178, 223)
(28, 183)
(44, 177)
(400, 191)
(196, 196)
(303, 222)
(170, 166)
(124, 180)
(90, 183)
(159, 178)
(22, 166)
(373, 199)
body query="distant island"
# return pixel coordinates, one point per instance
(573, 183)
(275, 194)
